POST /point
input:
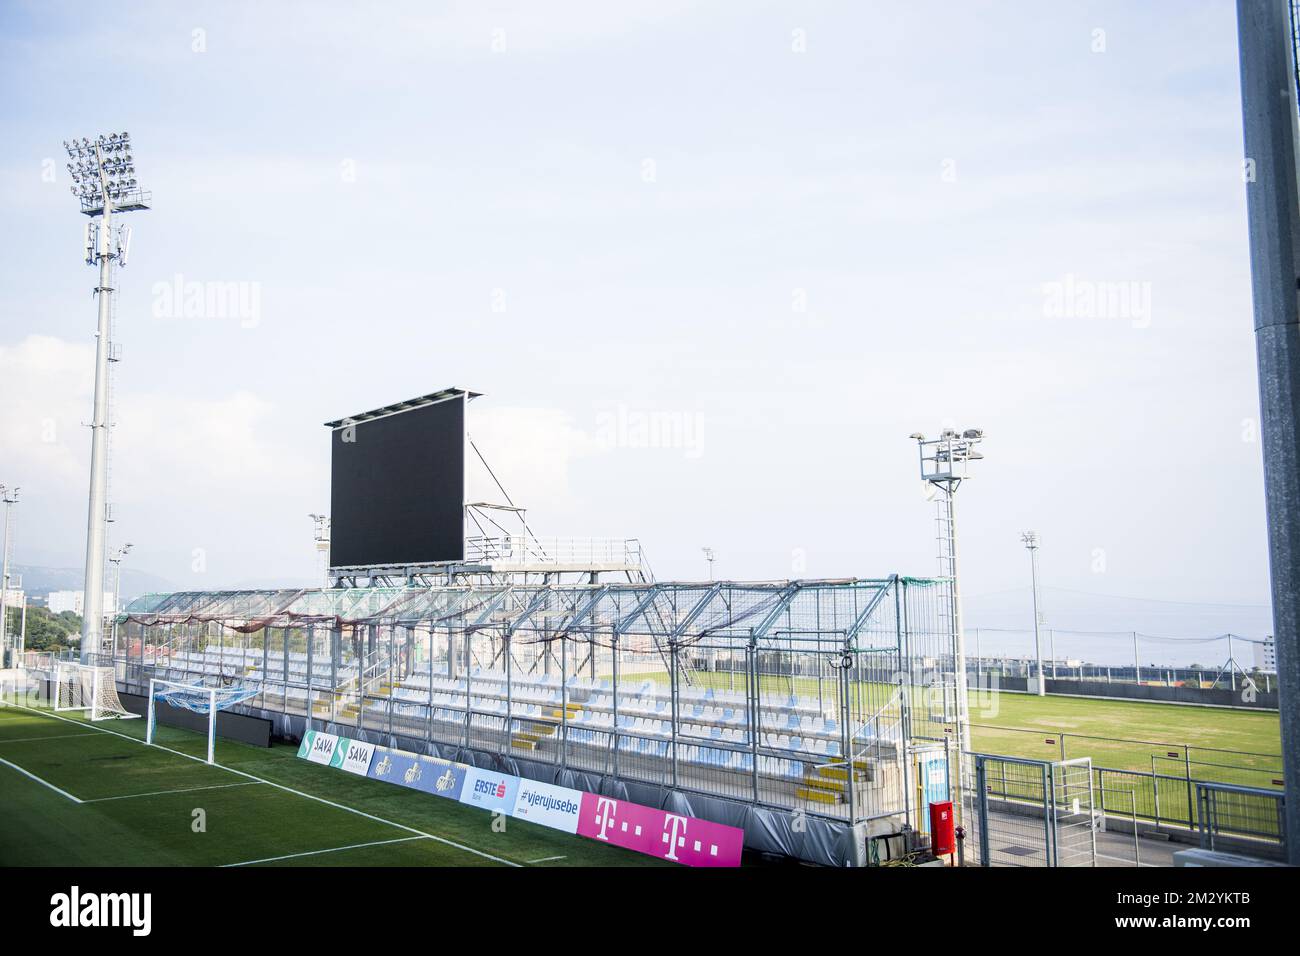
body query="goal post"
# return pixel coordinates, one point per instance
(192, 697)
(87, 688)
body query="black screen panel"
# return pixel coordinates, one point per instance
(397, 488)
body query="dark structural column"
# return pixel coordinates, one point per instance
(1268, 103)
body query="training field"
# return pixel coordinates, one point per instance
(1118, 734)
(81, 794)
(1126, 735)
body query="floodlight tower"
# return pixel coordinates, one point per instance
(945, 463)
(116, 561)
(103, 177)
(10, 498)
(1030, 538)
(322, 536)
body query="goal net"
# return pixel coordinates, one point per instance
(196, 698)
(87, 688)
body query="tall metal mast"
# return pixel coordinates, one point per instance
(1268, 105)
(9, 497)
(945, 463)
(1030, 538)
(103, 175)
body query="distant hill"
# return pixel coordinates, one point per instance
(39, 581)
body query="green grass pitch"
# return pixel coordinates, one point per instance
(1116, 734)
(81, 794)
(1236, 746)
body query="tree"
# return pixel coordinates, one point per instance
(50, 632)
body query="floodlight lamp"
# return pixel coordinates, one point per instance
(917, 435)
(973, 433)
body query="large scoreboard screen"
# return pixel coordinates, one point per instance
(397, 485)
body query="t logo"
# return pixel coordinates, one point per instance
(674, 835)
(605, 810)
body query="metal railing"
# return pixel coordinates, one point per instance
(529, 550)
(1247, 815)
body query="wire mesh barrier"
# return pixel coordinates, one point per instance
(1117, 836)
(1074, 838)
(1029, 812)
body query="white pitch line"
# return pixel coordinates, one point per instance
(163, 793)
(335, 849)
(546, 859)
(280, 786)
(24, 740)
(44, 783)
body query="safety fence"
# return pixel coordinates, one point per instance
(1029, 812)
(1240, 818)
(1023, 812)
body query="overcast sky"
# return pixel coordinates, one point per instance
(795, 233)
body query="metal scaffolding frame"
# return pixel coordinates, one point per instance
(797, 695)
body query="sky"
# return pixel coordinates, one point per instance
(710, 265)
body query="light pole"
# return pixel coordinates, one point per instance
(103, 176)
(1267, 52)
(1030, 538)
(10, 498)
(709, 557)
(322, 536)
(116, 560)
(945, 464)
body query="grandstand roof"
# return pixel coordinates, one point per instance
(725, 612)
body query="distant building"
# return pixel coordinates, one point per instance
(1266, 656)
(75, 602)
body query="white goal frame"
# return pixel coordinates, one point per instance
(92, 689)
(210, 692)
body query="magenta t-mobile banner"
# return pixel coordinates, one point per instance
(669, 836)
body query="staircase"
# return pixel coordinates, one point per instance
(533, 732)
(830, 784)
(345, 702)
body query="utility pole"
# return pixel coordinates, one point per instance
(1268, 106)
(116, 561)
(10, 498)
(1030, 538)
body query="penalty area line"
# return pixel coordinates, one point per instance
(43, 783)
(279, 786)
(333, 849)
(27, 740)
(163, 793)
